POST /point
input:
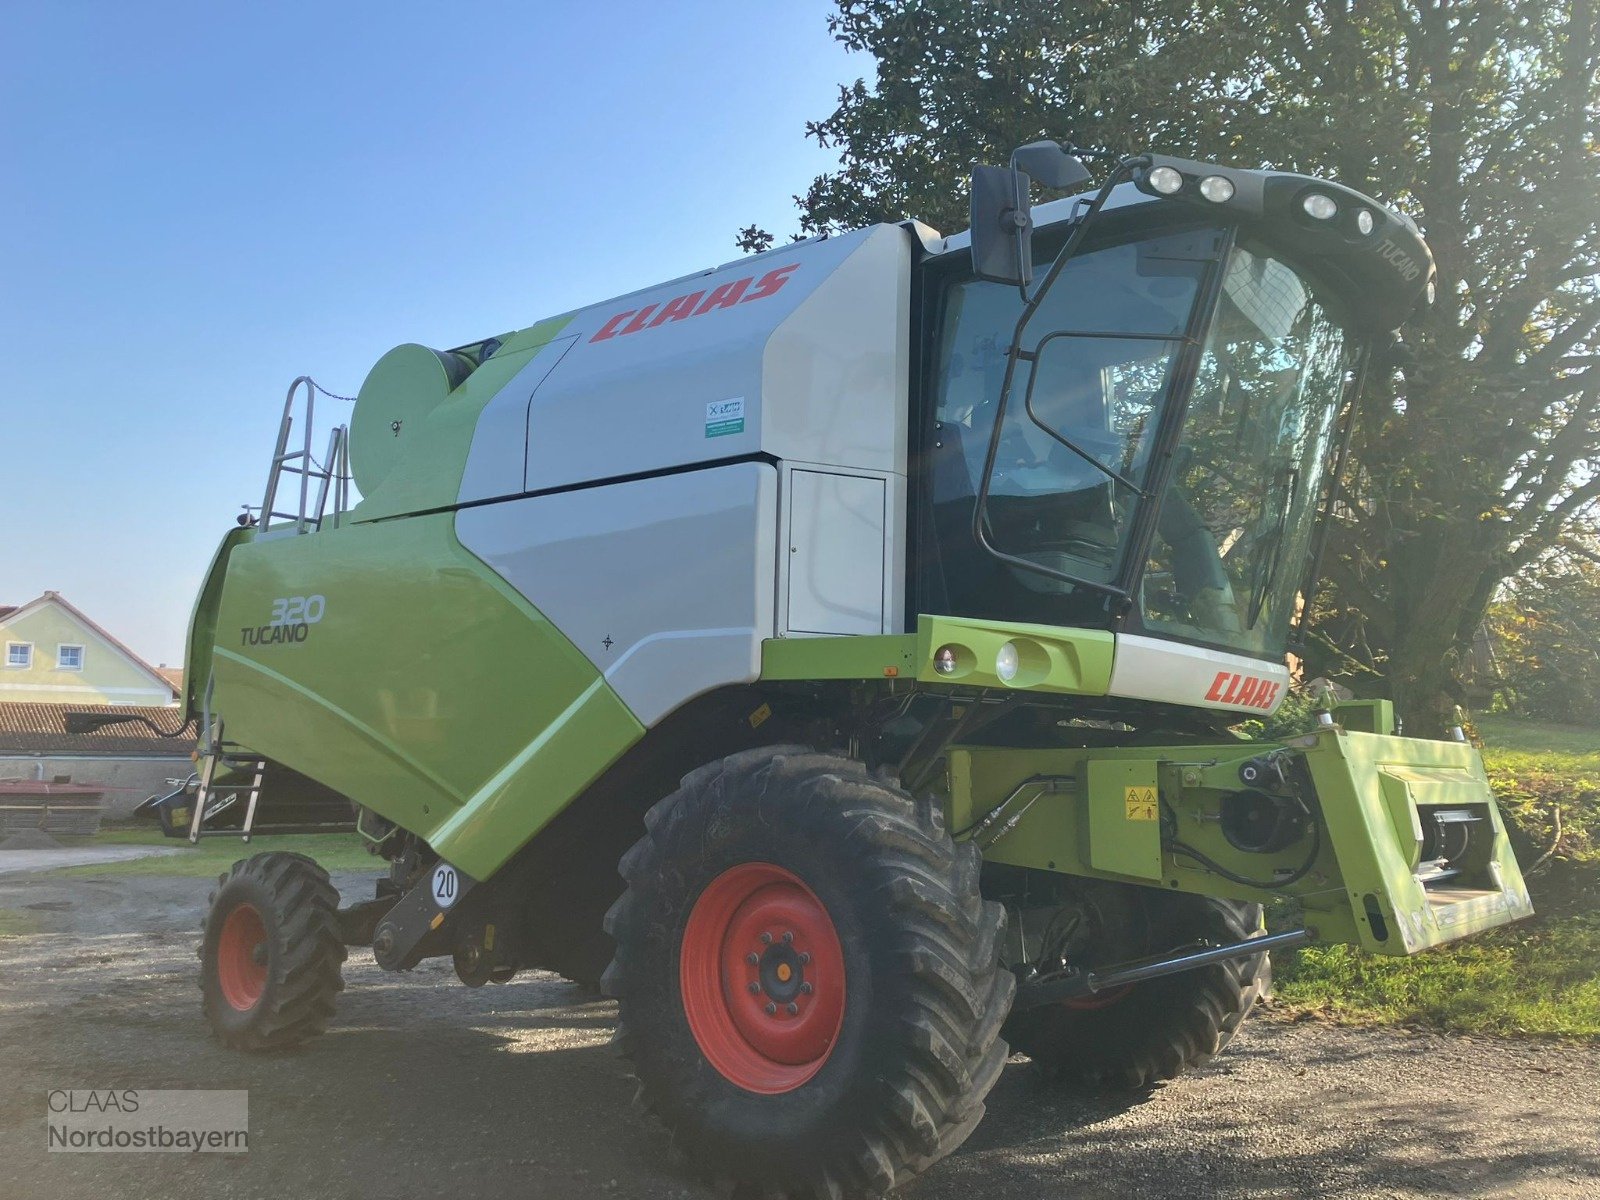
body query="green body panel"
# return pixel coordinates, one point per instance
(427, 690)
(863, 657)
(430, 454)
(1124, 825)
(1372, 793)
(1051, 659)
(203, 623)
(1366, 716)
(1373, 788)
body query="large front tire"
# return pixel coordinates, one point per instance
(271, 954)
(808, 980)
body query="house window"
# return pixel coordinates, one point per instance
(19, 654)
(69, 658)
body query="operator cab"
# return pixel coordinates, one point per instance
(1143, 439)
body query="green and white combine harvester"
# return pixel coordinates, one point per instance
(834, 656)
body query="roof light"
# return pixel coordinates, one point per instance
(1320, 207)
(1166, 180)
(1217, 188)
(1433, 292)
(1365, 221)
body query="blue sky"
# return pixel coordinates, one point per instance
(201, 201)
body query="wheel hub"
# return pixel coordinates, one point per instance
(762, 977)
(242, 958)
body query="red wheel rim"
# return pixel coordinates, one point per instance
(761, 972)
(241, 978)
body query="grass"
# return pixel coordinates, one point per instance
(1535, 978)
(1539, 977)
(212, 856)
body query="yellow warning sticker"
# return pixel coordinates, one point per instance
(1139, 803)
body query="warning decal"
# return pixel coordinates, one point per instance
(724, 417)
(1139, 803)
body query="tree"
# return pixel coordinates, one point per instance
(1479, 448)
(1546, 630)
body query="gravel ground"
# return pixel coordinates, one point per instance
(426, 1088)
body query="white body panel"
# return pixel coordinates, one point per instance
(837, 530)
(801, 354)
(677, 573)
(1149, 668)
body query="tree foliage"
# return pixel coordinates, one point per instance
(1546, 631)
(1479, 448)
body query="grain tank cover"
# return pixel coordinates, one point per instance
(401, 389)
(798, 354)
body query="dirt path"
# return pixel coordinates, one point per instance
(426, 1088)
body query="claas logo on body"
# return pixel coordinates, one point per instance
(1246, 690)
(696, 304)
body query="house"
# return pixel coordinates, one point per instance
(51, 653)
(122, 762)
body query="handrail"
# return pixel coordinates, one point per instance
(332, 474)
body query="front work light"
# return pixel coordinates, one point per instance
(1166, 180)
(1006, 662)
(1320, 207)
(1217, 188)
(945, 661)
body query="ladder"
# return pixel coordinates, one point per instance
(203, 808)
(304, 509)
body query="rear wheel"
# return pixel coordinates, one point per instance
(1134, 1037)
(271, 954)
(808, 979)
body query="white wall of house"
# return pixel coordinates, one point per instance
(126, 781)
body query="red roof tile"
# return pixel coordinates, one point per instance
(42, 729)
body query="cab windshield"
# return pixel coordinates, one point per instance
(1077, 447)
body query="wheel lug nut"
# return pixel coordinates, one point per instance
(805, 988)
(772, 1009)
(752, 959)
(766, 939)
(793, 1008)
(788, 937)
(804, 958)
(755, 989)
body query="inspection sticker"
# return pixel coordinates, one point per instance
(1139, 803)
(724, 417)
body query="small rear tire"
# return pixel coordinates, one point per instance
(1136, 1037)
(270, 953)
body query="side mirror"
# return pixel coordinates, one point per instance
(1051, 165)
(1002, 226)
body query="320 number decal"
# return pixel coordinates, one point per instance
(298, 610)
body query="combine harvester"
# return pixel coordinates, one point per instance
(881, 613)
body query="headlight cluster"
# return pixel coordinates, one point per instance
(1169, 181)
(1320, 206)
(1018, 663)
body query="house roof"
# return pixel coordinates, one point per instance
(57, 598)
(42, 729)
